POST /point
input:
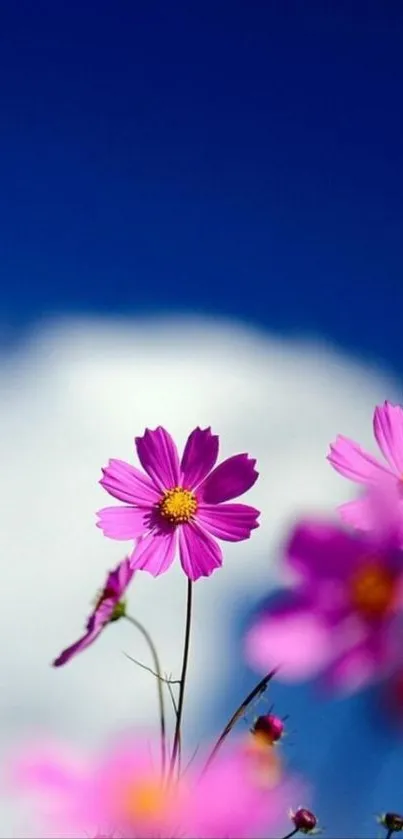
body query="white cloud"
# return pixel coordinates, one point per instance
(76, 394)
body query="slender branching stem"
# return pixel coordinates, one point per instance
(165, 679)
(158, 674)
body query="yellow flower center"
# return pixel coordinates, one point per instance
(145, 799)
(178, 505)
(373, 590)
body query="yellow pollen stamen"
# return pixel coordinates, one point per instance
(178, 505)
(144, 799)
(373, 590)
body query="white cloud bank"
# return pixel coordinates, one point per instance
(76, 394)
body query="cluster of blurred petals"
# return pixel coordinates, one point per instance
(342, 616)
(243, 792)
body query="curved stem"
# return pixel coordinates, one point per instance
(293, 832)
(257, 690)
(177, 735)
(157, 668)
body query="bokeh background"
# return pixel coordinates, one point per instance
(200, 223)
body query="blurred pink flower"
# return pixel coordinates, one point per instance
(109, 607)
(343, 615)
(124, 790)
(348, 458)
(179, 501)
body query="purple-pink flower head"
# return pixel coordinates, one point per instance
(353, 462)
(179, 502)
(123, 788)
(109, 607)
(342, 616)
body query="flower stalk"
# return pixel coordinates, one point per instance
(186, 647)
(157, 668)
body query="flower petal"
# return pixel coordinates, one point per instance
(356, 514)
(199, 553)
(348, 458)
(291, 637)
(230, 479)
(155, 552)
(119, 579)
(102, 612)
(319, 549)
(378, 514)
(230, 522)
(78, 647)
(123, 522)
(114, 589)
(354, 669)
(128, 484)
(49, 769)
(199, 457)
(159, 457)
(238, 805)
(388, 430)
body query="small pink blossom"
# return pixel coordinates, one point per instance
(356, 464)
(123, 789)
(344, 613)
(179, 502)
(109, 607)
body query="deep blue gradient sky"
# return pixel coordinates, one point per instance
(242, 158)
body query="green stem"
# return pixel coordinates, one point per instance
(257, 690)
(293, 832)
(177, 735)
(157, 668)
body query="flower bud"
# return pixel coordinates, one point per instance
(392, 821)
(269, 727)
(304, 820)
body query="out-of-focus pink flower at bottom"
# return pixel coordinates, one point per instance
(243, 794)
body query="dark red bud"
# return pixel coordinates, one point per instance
(304, 820)
(392, 821)
(269, 726)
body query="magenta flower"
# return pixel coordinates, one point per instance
(343, 617)
(179, 501)
(109, 607)
(123, 790)
(348, 458)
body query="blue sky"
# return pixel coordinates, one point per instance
(241, 159)
(235, 158)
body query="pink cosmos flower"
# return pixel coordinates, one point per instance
(179, 501)
(348, 458)
(344, 614)
(123, 790)
(109, 607)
